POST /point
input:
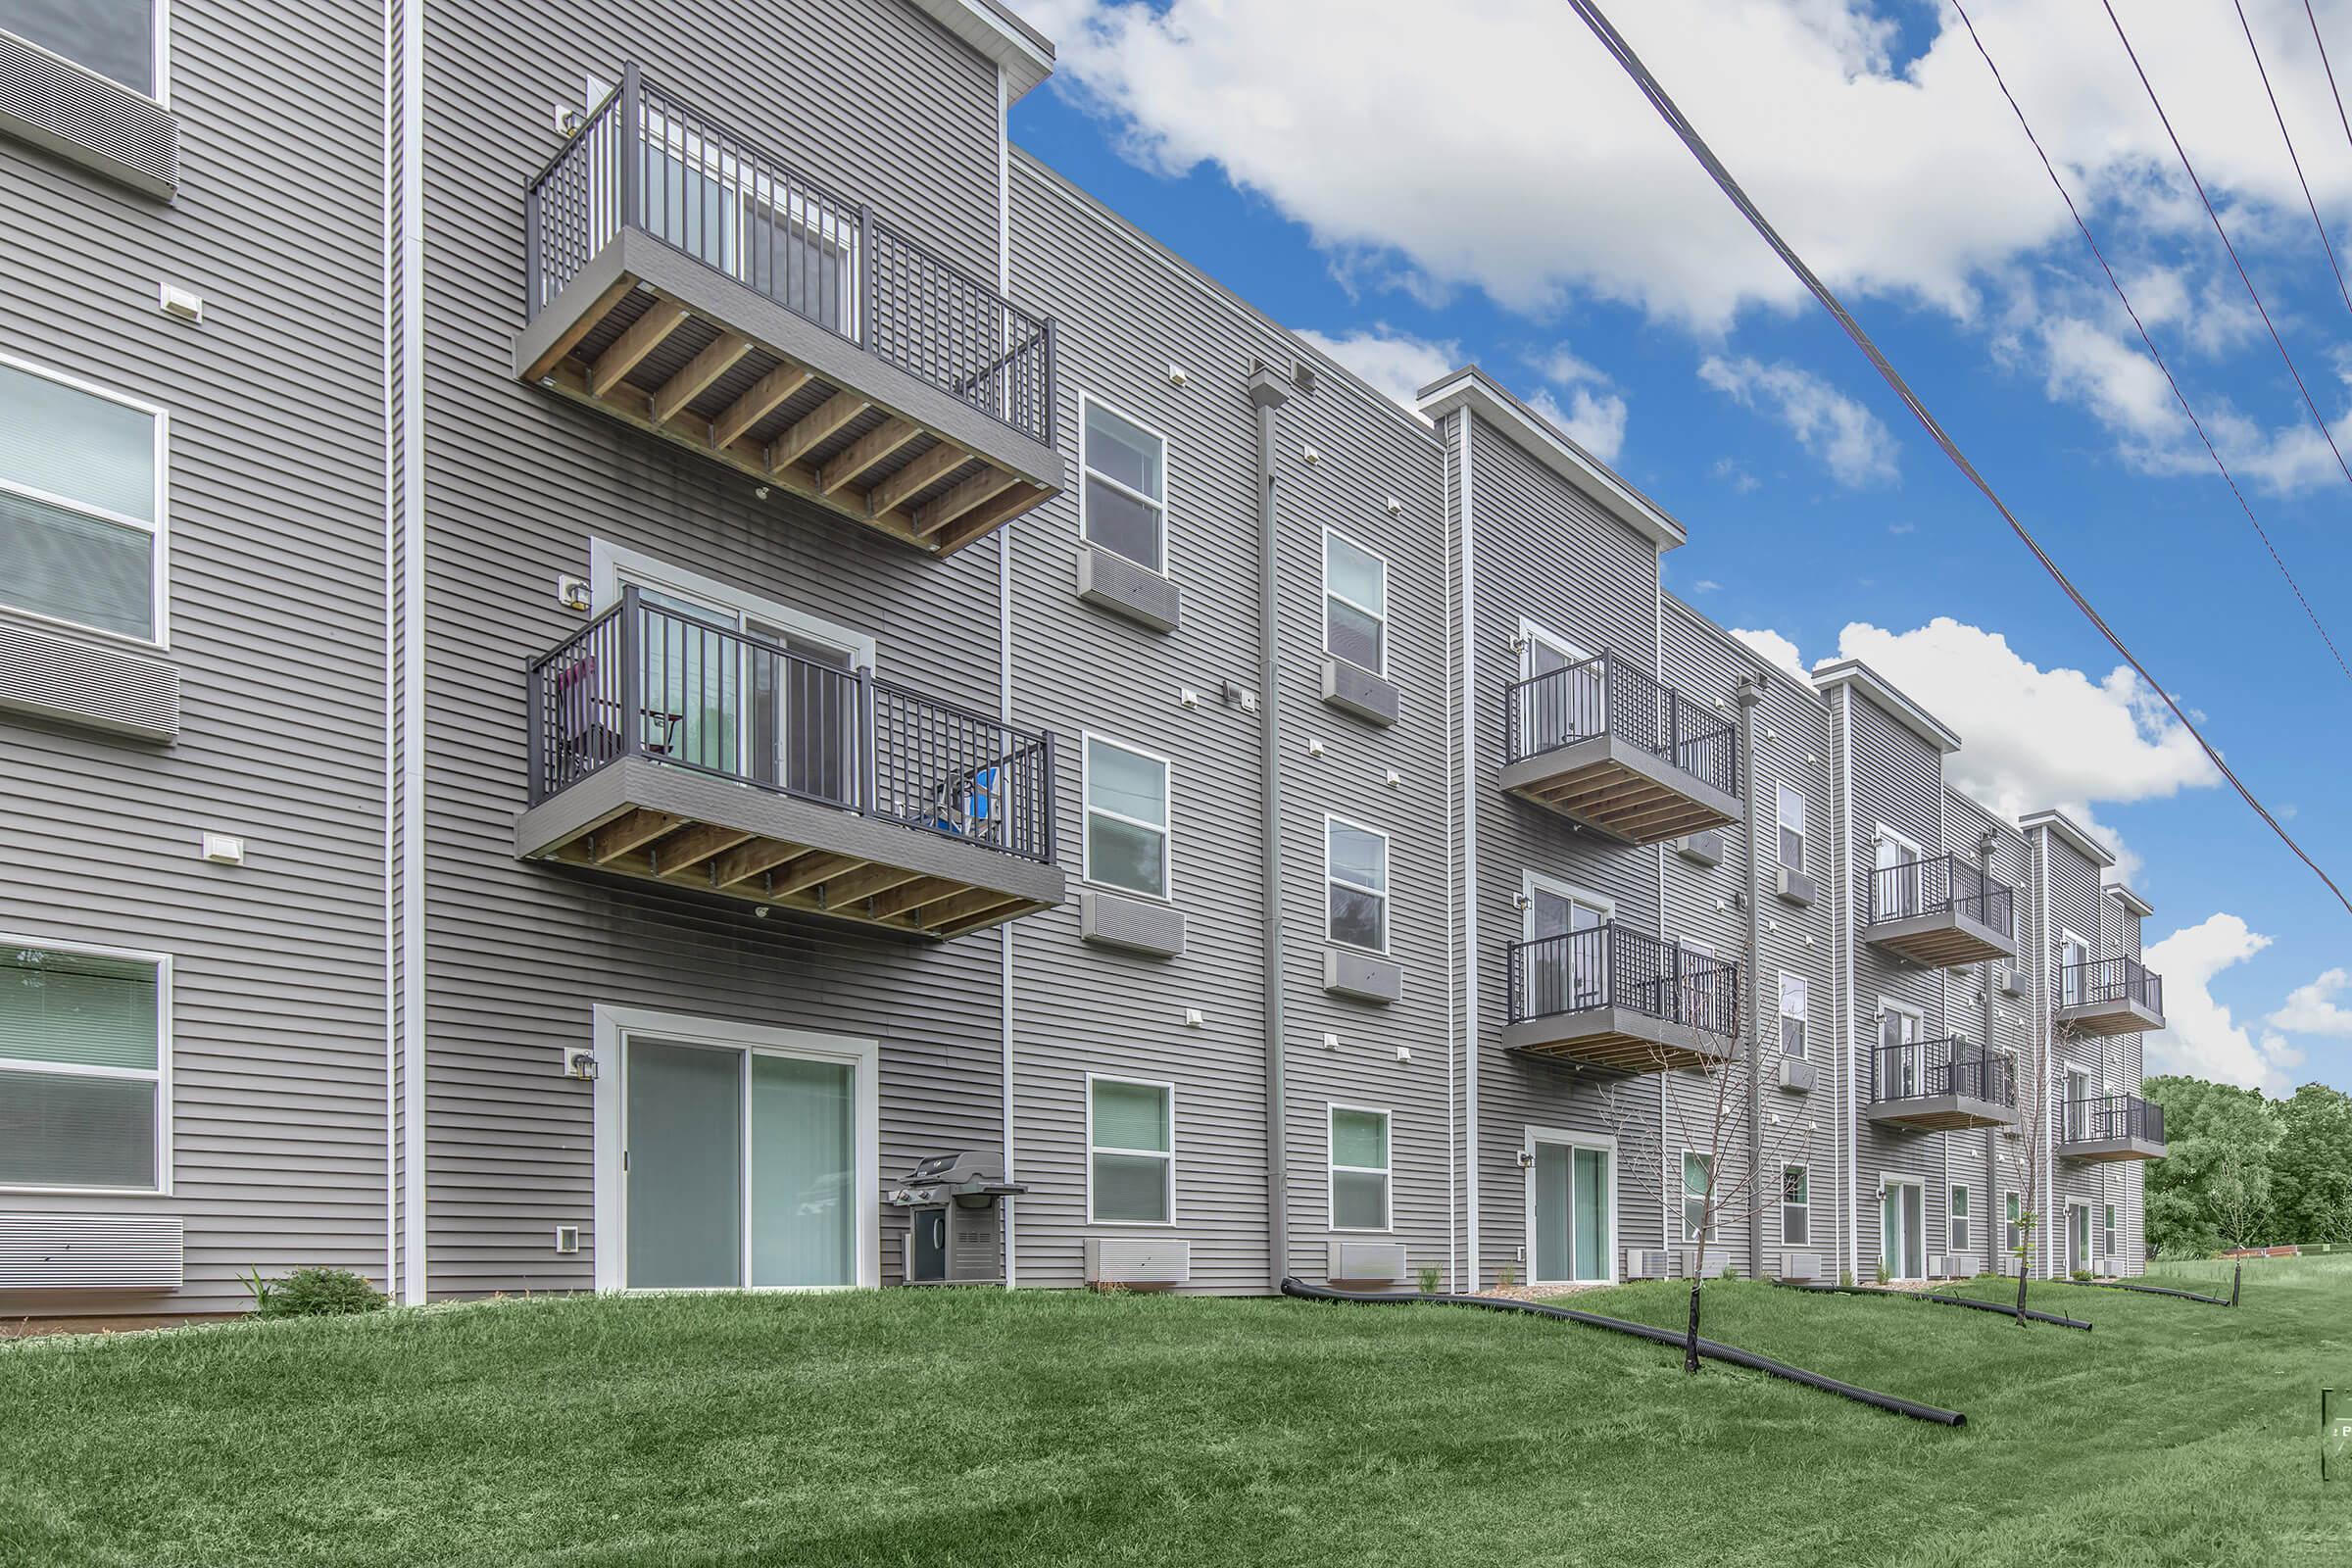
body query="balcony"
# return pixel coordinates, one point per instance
(1940, 1085)
(1942, 914)
(675, 751)
(690, 284)
(2108, 1128)
(1618, 997)
(2110, 997)
(1606, 745)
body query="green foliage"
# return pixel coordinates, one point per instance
(1429, 1274)
(2082, 1276)
(1506, 1278)
(1845, 1277)
(1884, 1274)
(313, 1293)
(2212, 1189)
(2311, 1168)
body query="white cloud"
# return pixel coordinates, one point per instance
(1397, 363)
(1594, 421)
(2313, 1010)
(1839, 431)
(2031, 737)
(1738, 478)
(2200, 1038)
(1775, 648)
(1566, 369)
(1706, 585)
(1505, 150)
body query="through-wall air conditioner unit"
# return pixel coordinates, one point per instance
(1951, 1266)
(1794, 886)
(1653, 1264)
(2009, 980)
(1800, 1265)
(1701, 849)
(1719, 1261)
(1139, 1263)
(1797, 1075)
(89, 1252)
(1367, 1263)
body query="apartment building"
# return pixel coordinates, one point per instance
(619, 627)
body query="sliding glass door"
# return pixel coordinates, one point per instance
(739, 1166)
(1570, 1202)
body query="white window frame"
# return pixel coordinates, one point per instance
(161, 97)
(1959, 1217)
(1087, 740)
(1787, 1240)
(2066, 937)
(2108, 1227)
(1804, 1019)
(1919, 1036)
(1888, 1182)
(1683, 1191)
(1784, 791)
(1607, 1147)
(1331, 1168)
(2013, 1229)
(1168, 1156)
(160, 1076)
(1330, 593)
(1531, 880)
(1167, 482)
(160, 530)
(1388, 903)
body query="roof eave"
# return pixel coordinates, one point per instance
(1472, 388)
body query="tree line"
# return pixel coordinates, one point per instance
(2241, 1170)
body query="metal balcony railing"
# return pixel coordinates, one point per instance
(1606, 695)
(2110, 1118)
(646, 681)
(1940, 884)
(2110, 980)
(644, 160)
(1925, 1069)
(1615, 965)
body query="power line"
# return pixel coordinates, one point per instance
(2177, 395)
(2264, 72)
(2242, 276)
(1621, 52)
(2333, 91)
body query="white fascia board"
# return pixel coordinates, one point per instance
(1874, 686)
(2076, 837)
(1472, 388)
(1025, 54)
(2129, 900)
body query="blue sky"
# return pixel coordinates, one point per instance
(1419, 186)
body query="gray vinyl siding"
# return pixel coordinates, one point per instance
(877, 102)
(1991, 1160)
(1898, 783)
(276, 632)
(1792, 747)
(1527, 525)
(1077, 668)
(2076, 904)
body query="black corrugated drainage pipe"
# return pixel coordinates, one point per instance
(2002, 1308)
(1710, 1350)
(2153, 1290)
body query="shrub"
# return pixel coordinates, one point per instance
(1883, 1275)
(1428, 1274)
(314, 1292)
(1845, 1277)
(2081, 1275)
(1505, 1279)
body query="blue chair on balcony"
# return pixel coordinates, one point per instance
(968, 806)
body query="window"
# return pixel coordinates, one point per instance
(1126, 817)
(121, 40)
(1123, 506)
(1796, 1206)
(82, 503)
(1360, 1169)
(83, 1066)
(1959, 1219)
(1131, 1166)
(2109, 1229)
(1695, 1170)
(1355, 885)
(1796, 1006)
(2013, 1213)
(1355, 603)
(1793, 829)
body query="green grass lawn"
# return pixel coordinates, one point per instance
(978, 1427)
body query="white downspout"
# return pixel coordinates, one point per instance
(1846, 943)
(1472, 1033)
(1005, 665)
(392, 1040)
(414, 1279)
